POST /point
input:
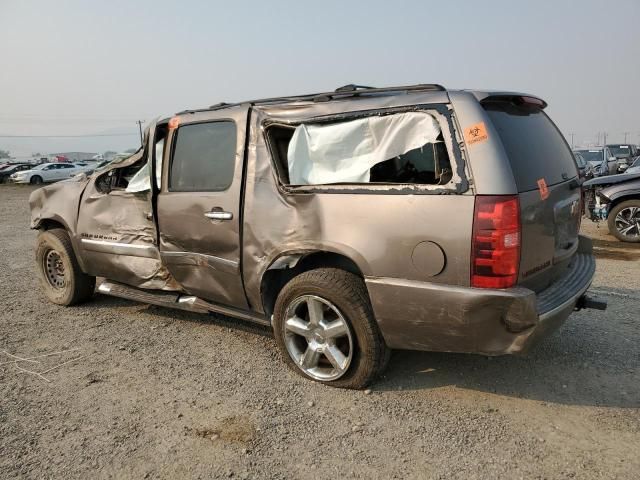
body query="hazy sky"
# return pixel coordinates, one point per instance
(85, 67)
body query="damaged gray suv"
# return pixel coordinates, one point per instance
(352, 222)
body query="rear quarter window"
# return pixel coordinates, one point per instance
(534, 145)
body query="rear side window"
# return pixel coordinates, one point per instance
(536, 148)
(402, 148)
(203, 157)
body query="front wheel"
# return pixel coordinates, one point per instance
(36, 180)
(624, 221)
(325, 328)
(63, 281)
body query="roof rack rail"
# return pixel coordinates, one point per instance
(351, 88)
(344, 91)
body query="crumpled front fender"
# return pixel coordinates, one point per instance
(57, 202)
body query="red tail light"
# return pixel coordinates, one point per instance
(495, 245)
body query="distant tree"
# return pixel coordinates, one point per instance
(109, 153)
(4, 154)
(131, 150)
(36, 155)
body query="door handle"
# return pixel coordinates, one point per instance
(219, 215)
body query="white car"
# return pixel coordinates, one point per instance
(47, 172)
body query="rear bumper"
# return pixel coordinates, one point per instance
(428, 316)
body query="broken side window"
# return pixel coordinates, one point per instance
(405, 148)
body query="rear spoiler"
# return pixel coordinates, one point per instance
(515, 98)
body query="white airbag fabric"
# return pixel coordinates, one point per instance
(140, 182)
(345, 152)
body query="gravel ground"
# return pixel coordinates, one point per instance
(166, 394)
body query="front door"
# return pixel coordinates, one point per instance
(116, 228)
(198, 206)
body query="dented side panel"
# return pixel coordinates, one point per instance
(384, 233)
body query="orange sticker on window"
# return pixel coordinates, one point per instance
(544, 190)
(475, 133)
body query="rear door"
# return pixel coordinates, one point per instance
(545, 174)
(198, 207)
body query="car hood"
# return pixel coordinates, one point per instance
(621, 189)
(611, 179)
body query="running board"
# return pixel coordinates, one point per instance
(176, 300)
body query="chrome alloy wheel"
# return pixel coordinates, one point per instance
(318, 338)
(54, 269)
(628, 222)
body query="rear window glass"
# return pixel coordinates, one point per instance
(535, 147)
(204, 157)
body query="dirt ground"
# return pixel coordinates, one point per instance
(155, 393)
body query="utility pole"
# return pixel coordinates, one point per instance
(626, 134)
(604, 142)
(572, 136)
(139, 122)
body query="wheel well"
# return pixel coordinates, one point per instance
(275, 279)
(623, 198)
(48, 224)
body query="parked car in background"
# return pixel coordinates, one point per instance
(47, 172)
(8, 170)
(585, 170)
(93, 166)
(635, 166)
(616, 198)
(625, 153)
(262, 210)
(4, 165)
(601, 159)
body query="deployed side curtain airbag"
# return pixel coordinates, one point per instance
(140, 181)
(345, 152)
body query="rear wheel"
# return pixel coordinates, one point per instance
(624, 221)
(36, 180)
(63, 281)
(325, 328)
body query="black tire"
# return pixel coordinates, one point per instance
(634, 235)
(348, 293)
(54, 250)
(36, 180)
